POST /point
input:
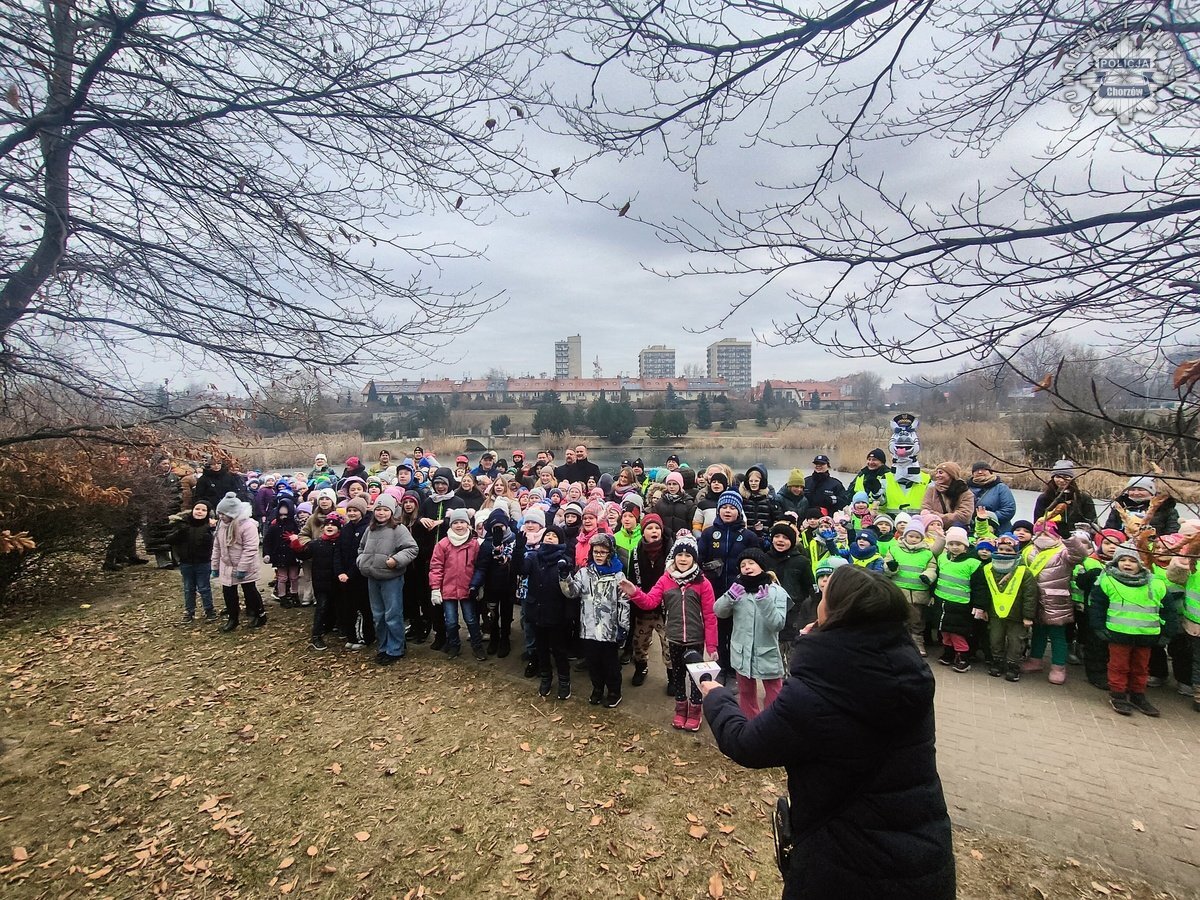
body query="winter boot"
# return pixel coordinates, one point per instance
(947, 656)
(597, 696)
(639, 674)
(1120, 703)
(695, 712)
(504, 647)
(995, 670)
(493, 644)
(544, 686)
(962, 663)
(564, 690)
(230, 625)
(439, 642)
(1031, 665)
(1013, 672)
(1144, 706)
(1058, 675)
(681, 711)
(531, 669)
(673, 685)
(257, 621)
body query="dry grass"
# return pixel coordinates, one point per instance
(142, 760)
(287, 452)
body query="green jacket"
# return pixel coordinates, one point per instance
(757, 621)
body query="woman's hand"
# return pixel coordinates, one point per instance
(391, 563)
(707, 687)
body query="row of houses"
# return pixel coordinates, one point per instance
(805, 394)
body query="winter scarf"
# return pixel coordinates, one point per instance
(1004, 563)
(1140, 579)
(458, 540)
(612, 567)
(686, 576)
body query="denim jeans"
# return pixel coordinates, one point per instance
(195, 580)
(529, 632)
(470, 614)
(387, 609)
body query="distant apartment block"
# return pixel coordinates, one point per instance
(568, 357)
(657, 361)
(730, 359)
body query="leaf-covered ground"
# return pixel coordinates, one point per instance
(138, 758)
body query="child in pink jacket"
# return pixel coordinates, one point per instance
(450, 572)
(686, 598)
(235, 560)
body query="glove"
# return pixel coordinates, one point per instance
(239, 575)
(436, 598)
(762, 593)
(497, 534)
(214, 573)
(564, 569)
(713, 565)
(926, 580)
(736, 591)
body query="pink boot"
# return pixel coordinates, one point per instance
(695, 712)
(1031, 665)
(681, 713)
(1058, 675)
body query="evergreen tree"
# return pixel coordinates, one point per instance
(704, 413)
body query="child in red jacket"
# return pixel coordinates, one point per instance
(450, 572)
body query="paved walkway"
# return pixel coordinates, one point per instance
(1052, 764)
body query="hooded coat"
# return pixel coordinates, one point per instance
(235, 549)
(954, 504)
(854, 727)
(757, 620)
(757, 506)
(1055, 606)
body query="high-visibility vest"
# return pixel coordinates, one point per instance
(910, 564)
(897, 499)
(1040, 560)
(865, 562)
(1191, 598)
(1133, 610)
(954, 579)
(1089, 563)
(1004, 598)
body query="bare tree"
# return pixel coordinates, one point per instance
(1096, 231)
(221, 180)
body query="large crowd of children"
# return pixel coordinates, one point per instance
(711, 561)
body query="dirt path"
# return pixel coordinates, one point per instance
(141, 759)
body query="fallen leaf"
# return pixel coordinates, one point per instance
(290, 886)
(79, 789)
(336, 768)
(976, 854)
(594, 821)
(699, 832)
(99, 873)
(312, 850)
(726, 829)
(1138, 825)
(362, 835)
(716, 887)
(641, 770)
(540, 834)
(1071, 861)
(209, 803)
(287, 862)
(178, 780)
(524, 747)
(20, 854)
(521, 848)
(1097, 886)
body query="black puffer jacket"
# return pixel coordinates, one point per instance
(545, 603)
(854, 728)
(212, 487)
(676, 512)
(758, 506)
(191, 539)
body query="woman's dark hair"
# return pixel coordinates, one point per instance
(854, 596)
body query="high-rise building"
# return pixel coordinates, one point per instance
(730, 359)
(568, 357)
(657, 361)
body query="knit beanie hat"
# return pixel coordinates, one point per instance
(861, 497)
(787, 530)
(956, 534)
(1145, 482)
(985, 544)
(1117, 537)
(758, 556)
(558, 532)
(795, 478)
(730, 498)
(1007, 538)
(602, 539)
(388, 502)
(534, 514)
(574, 507)
(230, 506)
(357, 503)
(883, 518)
(687, 544)
(904, 518)
(633, 499)
(304, 507)
(1023, 523)
(1126, 550)
(878, 454)
(828, 564)
(674, 478)
(459, 515)
(334, 518)
(722, 478)
(915, 526)
(651, 519)
(1063, 467)
(411, 495)
(594, 508)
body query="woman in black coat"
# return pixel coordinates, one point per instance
(854, 728)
